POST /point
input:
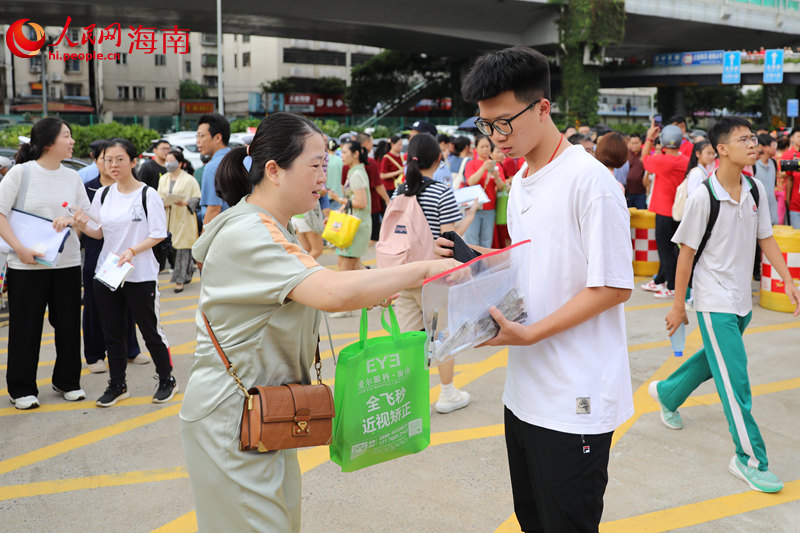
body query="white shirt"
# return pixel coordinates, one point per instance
(722, 277)
(575, 215)
(125, 226)
(47, 192)
(696, 178)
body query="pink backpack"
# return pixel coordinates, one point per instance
(405, 233)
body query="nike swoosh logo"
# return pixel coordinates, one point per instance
(524, 210)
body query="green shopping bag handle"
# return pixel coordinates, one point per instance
(392, 327)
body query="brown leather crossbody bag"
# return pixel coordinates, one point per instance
(283, 416)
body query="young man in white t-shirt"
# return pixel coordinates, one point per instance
(722, 296)
(568, 382)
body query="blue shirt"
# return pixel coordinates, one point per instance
(455, 162)
(621, 173)
(89, 173)
(443, 175)
(208, 194)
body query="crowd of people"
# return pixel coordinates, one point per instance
(253, 224)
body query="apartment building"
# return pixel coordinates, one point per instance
(141, 75)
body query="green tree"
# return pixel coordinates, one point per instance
(330, 86)
(586, 24)
(387, 76)
(281, 85)
(707, 99)
(191, 90)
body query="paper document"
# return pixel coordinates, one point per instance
(36, 233)
(467, 195)
(111, 273)
(172, 199)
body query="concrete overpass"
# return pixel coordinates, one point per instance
(461, 27)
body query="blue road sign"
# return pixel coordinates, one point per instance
(792, 107)
(773, 66)
(732, 68)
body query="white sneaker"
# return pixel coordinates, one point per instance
(72, 395)
(666, 294)
(652, 286)
(25, 402)
(140, 359)
(98, 367)
(447, 404)
(341, 314)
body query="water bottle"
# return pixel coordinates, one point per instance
(678, 340)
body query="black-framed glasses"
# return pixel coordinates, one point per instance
(502, 125)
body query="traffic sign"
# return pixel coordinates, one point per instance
(792, 107)
(773, 66)
(732, 68)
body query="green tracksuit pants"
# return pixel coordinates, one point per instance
(722, 357)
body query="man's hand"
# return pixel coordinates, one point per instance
(794, 296)
(676, 317)
(510, 334)
(443, 247)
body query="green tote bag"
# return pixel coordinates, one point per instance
(382, 398)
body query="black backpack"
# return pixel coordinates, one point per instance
(161, 249)
(714, 214)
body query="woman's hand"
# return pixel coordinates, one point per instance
(471, 210)
(59, 223)
(80, 219)
(27, 255)
(443, 248)
(126, 257)
(182, 203)
(676, 317)
(437, 266)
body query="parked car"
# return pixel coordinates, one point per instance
(73, 163)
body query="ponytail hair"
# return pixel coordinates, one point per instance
(280, 137)
(355, 147)
(43, 134)
(699, 146)
(423, 151)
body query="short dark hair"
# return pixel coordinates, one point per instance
(217, 124)
(159, 142)
(719, 132)
(443, 138)
(363, 138)
(612, 150)
(577, 138)
(794, 130)
(765, 139)
(519, 68)
(783, 143)
(460, 143)
(677, 119)
(97, 147)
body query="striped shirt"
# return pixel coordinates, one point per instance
(438, 203)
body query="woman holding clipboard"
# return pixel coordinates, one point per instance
(39, 185)
(133, 222)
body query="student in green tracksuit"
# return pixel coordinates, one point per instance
(722, 297)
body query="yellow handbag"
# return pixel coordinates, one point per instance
(341, 228)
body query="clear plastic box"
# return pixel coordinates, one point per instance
(455, 304)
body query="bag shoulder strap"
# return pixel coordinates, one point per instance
(144, 199)
(104, 194)
(24, 180)
(753, 189)
(712, 220)
(231, 369)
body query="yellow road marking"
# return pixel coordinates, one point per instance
(85, 404)
(72, 443)
(704, 512)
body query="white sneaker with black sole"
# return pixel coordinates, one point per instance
(72, 395)
(25, 402)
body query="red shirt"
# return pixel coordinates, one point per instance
(794, 203)
(391, 163)
(686, 148)
(670, 171)
(486, 181)
(510, 166)
(374, 181)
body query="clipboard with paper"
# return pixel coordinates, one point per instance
(36, 233)
(455, 304)
(111, 273)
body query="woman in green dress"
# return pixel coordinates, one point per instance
(261, 293)
(356, 190)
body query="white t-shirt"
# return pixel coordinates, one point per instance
(125, 225)
(696, 177)
(47, 192)
(722, 277)
(576, 217)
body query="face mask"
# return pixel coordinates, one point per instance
(172, 166)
